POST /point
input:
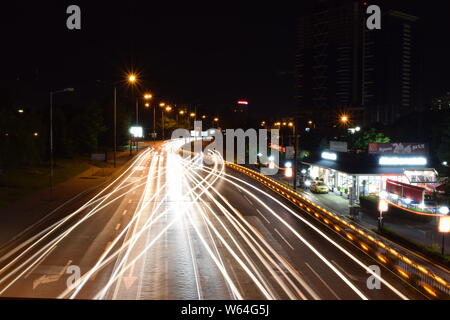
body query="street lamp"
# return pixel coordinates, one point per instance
(166, 108)
(344, 119)
(148, 97)
(132, 78)
(51, 134)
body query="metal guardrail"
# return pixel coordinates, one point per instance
(411, 271)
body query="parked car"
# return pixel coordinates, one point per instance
(319, 187)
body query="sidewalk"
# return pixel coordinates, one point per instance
(22, 214)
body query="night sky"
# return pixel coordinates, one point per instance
(209, 54)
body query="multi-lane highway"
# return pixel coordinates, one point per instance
(172, 227)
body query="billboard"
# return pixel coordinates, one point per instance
(338, 146)
(398, 148)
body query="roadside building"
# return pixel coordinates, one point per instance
(398, 168)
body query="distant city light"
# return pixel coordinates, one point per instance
(288, 164)
(444, 163)
(243, 102)
(443, 210)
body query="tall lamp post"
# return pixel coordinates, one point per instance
(162, 105)
(167, 109)
(51, 134)
(147, 98)
(132, 79)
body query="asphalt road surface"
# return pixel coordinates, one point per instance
(173, 227)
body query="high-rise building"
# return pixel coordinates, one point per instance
(343, 67)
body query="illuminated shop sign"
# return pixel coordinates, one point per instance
(402, 161)
(329, 155)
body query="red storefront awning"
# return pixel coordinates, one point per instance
(405, 190)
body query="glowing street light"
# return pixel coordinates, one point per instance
(20, 111)
(132, 78)
(168, 108)
(147, 104)
(344, 118)
(382, 207)
(216, 119)
(192, 115)
(444, 227)
(162, 104)
(148, 96)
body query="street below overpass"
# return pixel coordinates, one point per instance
(173, 227)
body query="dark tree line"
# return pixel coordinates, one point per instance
(78, 129)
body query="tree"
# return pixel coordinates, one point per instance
(86, 128)
(362, 139)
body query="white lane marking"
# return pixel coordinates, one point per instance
(130, 201)
(284, 239)
(263, 216)
(118, 226)
(124, 212)
(323, 281)
(248, 200)
(343, 270)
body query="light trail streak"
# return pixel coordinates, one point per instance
(55, 241)
(346, 252)
(240, 229)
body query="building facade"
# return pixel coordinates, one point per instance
(342, 66)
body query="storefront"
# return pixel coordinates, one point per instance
(352, 175)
